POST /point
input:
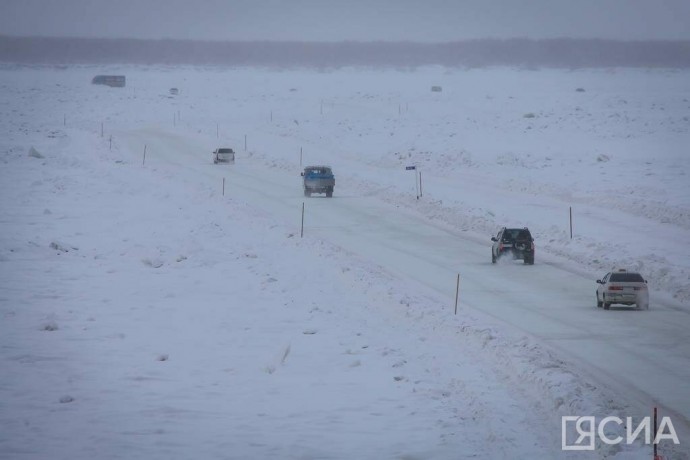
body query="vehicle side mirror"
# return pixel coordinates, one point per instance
(493, 238)
(302, 174)
(599, 282)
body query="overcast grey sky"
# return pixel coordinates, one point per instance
(358, 20)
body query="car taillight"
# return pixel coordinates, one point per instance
(615, 288)
(532, 246)
(500, 246)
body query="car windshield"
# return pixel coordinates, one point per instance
(627, 278)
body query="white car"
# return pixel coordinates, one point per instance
(623, 287)
(223, 155)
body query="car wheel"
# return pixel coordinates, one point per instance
(493, 258)
(604, 303)
(598, 301)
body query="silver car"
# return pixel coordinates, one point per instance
(223, 155)
(623, 287)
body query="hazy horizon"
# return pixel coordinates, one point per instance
(526, 53)
(434, 21)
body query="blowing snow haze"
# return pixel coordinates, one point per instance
(157, 303)
(353, 20)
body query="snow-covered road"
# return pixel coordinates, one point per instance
(643, 354)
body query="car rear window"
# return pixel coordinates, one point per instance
(627, 277)
(517, 234)
(319, 171)
(224, 150)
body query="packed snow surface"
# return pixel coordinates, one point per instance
(155, 305)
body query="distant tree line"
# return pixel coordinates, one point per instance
(521, 52)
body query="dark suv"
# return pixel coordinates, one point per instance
(516, 242)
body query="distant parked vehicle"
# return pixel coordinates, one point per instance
(115, 81)
(223, 155)
(622, 287)
(514, 242)
(318, 179)
(174, 91)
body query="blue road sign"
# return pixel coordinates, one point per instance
(410, 168)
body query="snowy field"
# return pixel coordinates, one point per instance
(154, 305)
